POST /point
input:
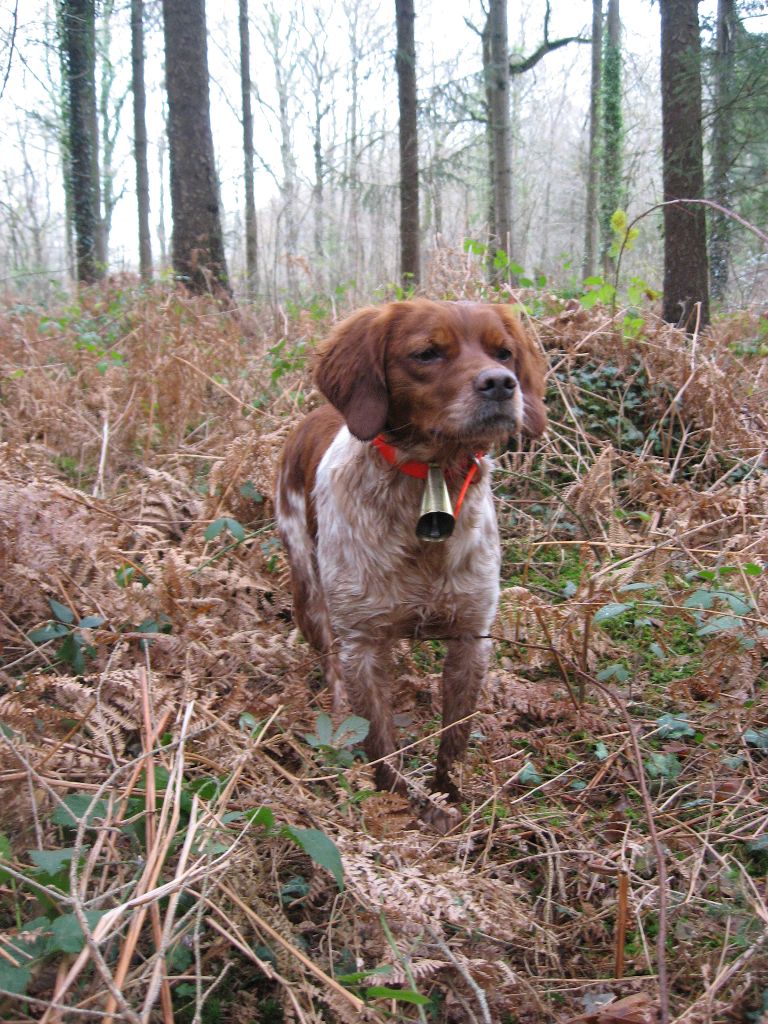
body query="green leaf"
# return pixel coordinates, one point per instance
(665, 766)
(5, 854)
(674, 727)
(248, 490)
(753, 738)
(323, 729)
(700, 599)
(476, 248)
(601, 751)
(75, 807)
(67, 935)
(92, 622)
(528, 775)
(61, 612)
(215, 528)
(247, 722)
(14, 979)
(71, 651)
(619, 222)
(225, 523)
(618, 672)
(720, 624)
(320, 848)
(402, 995)
(52, 631)
(738, 604)
(357, 976)
(51, 861)
(352, 731)
(610, 611)
(262, 817)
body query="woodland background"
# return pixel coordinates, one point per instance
(185, 834)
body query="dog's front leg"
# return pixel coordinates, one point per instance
(366, 668)
(464, 670)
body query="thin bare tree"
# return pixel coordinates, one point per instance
(251, 231)
(140, 138)
(405, 64)
(496, 59)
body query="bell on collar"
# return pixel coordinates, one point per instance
(436, 521)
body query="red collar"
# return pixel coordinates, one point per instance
(419, 470)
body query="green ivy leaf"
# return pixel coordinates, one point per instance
(611, 611)
(665, 766)
(529, 775)
(674, 727)
(720, 624)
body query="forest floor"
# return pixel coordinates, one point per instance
(186, 835)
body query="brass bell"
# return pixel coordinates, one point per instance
(436, 521)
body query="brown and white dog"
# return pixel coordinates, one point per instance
(433, 383)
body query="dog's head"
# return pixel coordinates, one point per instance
(423, 371)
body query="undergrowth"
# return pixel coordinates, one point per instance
(185, 831)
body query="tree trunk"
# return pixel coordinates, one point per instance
(685, 240)
(79, 51)
(593, 155)
(405, 63)
(197, 241)
(140, 138)
(497, 90)
(611, 189)
(251, 237)
(719, 249)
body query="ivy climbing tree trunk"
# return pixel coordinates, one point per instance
(719, 249)
(140, 138)
(593, 155)
(405, 64)
(611, 188)
(685, 239)
(197, 241)
(77, 23)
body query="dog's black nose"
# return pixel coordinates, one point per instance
(496, 384)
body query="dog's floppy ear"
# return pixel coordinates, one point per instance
(530, 370)
(350, 371)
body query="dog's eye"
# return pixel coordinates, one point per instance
(427, 355)
(503, 355)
